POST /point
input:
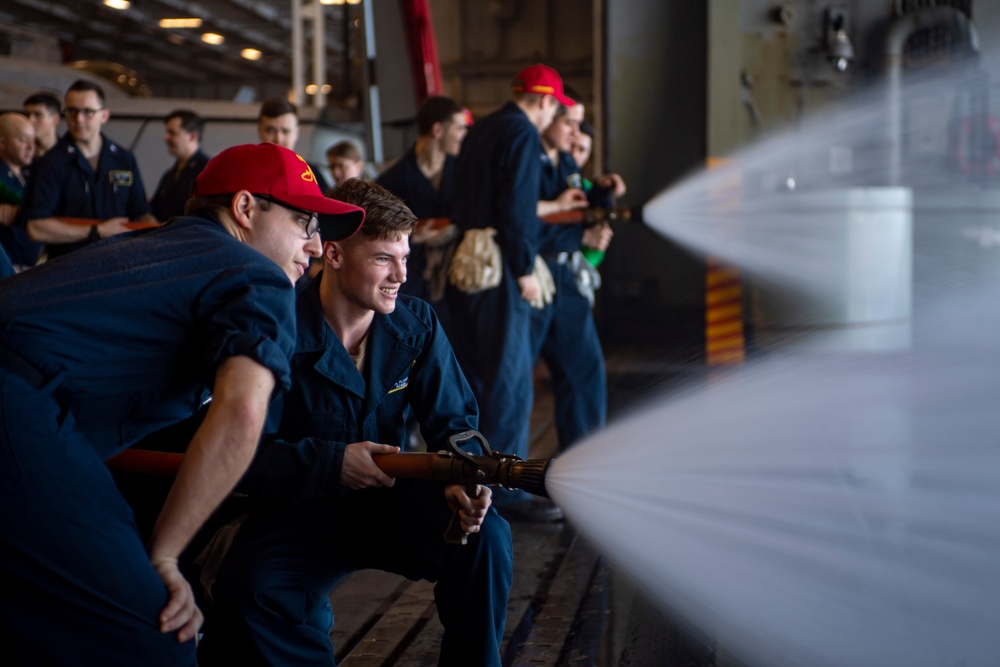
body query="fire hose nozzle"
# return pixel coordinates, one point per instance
(529, 476)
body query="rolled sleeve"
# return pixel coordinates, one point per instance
(257, 321)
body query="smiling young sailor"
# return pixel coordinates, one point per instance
(125, 337)
(365, 356)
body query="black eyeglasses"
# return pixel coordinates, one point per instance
(311, 226)
(73, 112)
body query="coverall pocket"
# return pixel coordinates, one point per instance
(322, 425)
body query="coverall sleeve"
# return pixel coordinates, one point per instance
(253, 315)
(517, 201)
(6, 268)
(44, 195)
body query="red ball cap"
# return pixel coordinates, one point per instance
(541, 80)
(270, 169)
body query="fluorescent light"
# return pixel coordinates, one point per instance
(118, 4)
(212, 38)
(180, 23)
(251, 54)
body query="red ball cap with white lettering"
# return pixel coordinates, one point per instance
(541, 80)
(270, 169)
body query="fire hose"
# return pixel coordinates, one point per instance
(595, 216)
(587, 216)
(452, 465)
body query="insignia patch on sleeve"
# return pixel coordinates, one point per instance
(401, 384)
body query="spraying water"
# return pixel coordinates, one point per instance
(835, 502)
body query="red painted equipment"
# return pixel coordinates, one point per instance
(423, 49)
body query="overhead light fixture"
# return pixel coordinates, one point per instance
(212, 38)
(251, 54)
(312, 89)
(180, 23)
(118, 4)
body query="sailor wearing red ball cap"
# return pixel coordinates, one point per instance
(497, 180)
(122, 338)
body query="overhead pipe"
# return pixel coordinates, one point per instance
(300, 14)
(319, 54)
(298, 65)
(373, 107)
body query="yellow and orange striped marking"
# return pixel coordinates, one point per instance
(725, 343)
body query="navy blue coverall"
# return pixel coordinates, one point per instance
(6, 268)
(175, 189)
(405, 180)
(305, 531)
(496, 185)
(564, 333)
(14, 239)
(63, 183)
(96, 351)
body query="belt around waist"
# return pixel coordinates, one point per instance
(558, 258)
(18, 365)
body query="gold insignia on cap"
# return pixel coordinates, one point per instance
(308, 174)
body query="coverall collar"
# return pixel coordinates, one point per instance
(388, 354)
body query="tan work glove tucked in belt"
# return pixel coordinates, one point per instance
(476, 265)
